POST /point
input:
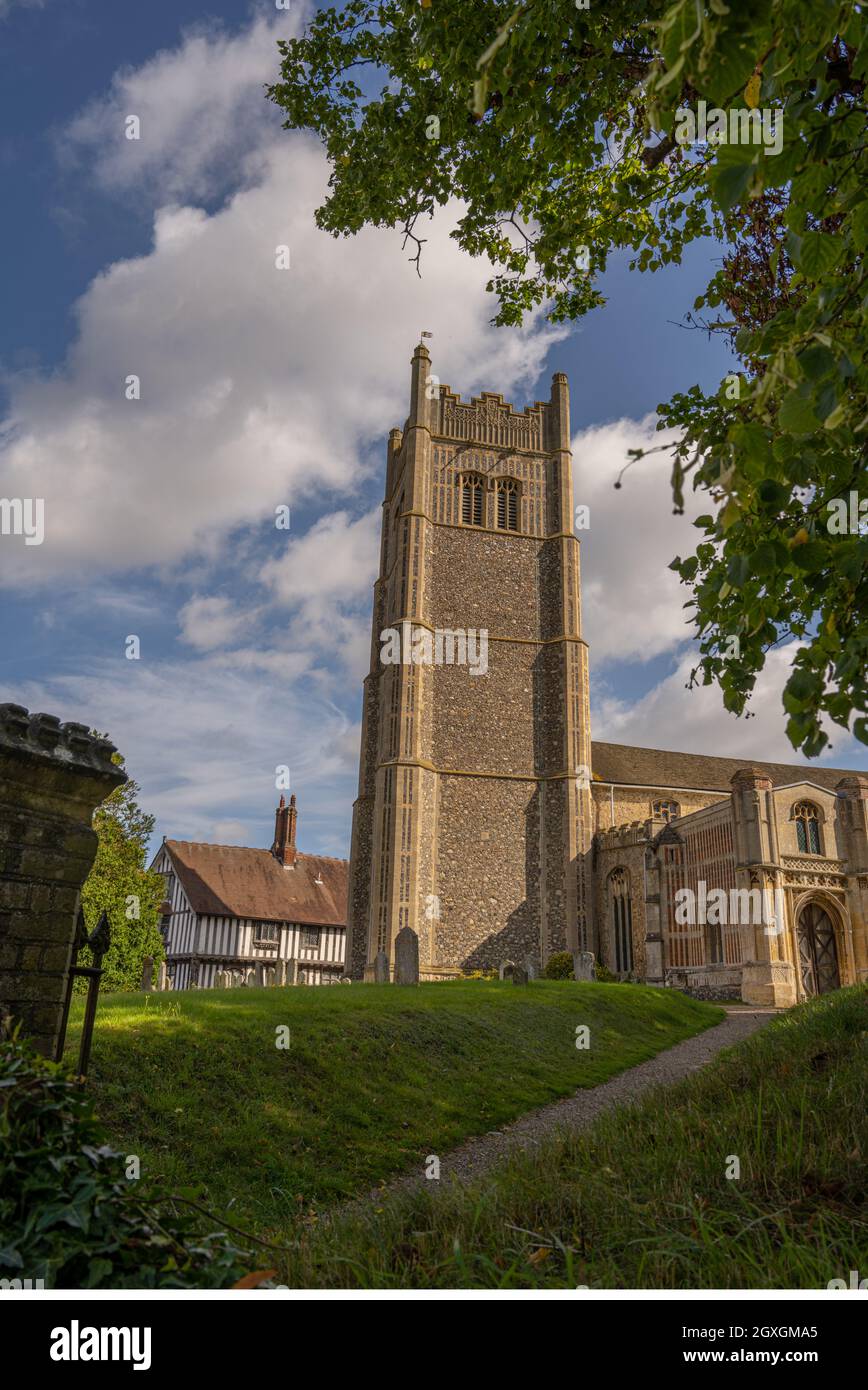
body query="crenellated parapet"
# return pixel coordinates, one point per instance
(627, 836)
(44, 738)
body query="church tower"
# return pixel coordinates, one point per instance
(473, 822)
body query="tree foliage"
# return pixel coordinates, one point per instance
(120, 885)
(557, 129)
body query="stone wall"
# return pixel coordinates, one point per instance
(52, 776)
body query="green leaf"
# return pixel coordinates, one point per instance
(797, 413)
(817, 254)
(732, 175)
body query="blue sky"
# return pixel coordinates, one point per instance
(261, 388)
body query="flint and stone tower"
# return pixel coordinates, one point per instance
(472, 824)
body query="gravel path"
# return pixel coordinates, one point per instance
(577, 1112)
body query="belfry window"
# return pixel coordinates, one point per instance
(807, 827)
(622, 921)
(471, 500)
(507, 504)
(666, 810)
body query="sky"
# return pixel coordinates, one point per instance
(262, 389)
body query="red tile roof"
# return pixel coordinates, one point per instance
(232, 881)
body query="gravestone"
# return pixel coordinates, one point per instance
(381, 968)
(290, 972)
(406, 957)
(583, 965)
(280, 978)
(162, 976)
(259, 975)
(531, 965)
(519, 975)
(506, 969)
(148, 973)
(346, 979)
(270, 977)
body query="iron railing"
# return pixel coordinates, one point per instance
(98, 943)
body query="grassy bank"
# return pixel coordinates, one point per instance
(643, 1200)
(375, 1078)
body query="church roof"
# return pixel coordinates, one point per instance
(233, 881)
(654, 767)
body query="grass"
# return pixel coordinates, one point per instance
(642, 1199)
(375, 1079)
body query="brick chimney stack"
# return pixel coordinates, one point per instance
(285, 819)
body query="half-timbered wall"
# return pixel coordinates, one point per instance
(233, 942)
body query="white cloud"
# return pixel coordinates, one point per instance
(209, 622)
(6, 6)
(631, 601)
(203, 739)
(695, 721)
(325, 578)
(202, 113)
(258, 386)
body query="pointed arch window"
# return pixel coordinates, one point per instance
(807, 820)
(506, 494)
(472, 495)
(622, 921)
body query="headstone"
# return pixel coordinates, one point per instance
(381, 968)
(406, 957)
(346, 979)
(148, 973)
(519, 975)
(583, 965)
(237, 979)
(259, 975)
(270, 976)
(280, 979)
(291, 972)
(162, 976)
(506, 969)
(531, 965)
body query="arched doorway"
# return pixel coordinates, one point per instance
(818, 951)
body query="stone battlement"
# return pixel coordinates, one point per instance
(634, 832)
(44, 737)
